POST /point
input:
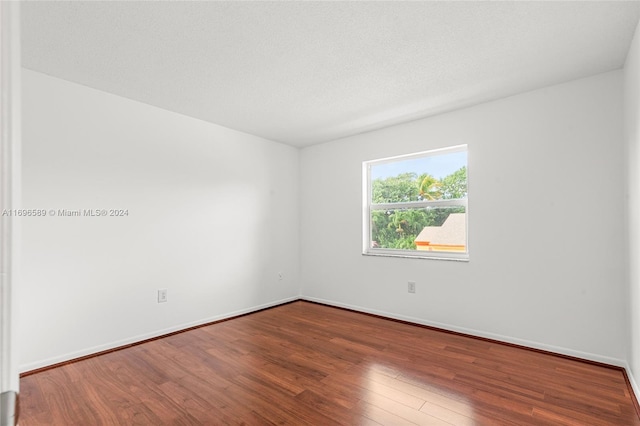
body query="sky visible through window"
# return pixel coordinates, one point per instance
(437, 166)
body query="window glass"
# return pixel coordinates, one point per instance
(416, 205)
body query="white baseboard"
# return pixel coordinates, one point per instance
(477, 333)
(142, 337)
(530, 344)
(632, 380)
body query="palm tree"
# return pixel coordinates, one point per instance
(429, 187)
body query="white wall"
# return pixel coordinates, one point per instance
(546, 223)
(213, 218)
(632, 137)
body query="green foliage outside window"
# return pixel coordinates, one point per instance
(398, 228)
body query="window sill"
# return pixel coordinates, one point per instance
(410, 255)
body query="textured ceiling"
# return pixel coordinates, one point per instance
(308, 72)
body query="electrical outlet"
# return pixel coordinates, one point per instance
(411, 287)
(162, 295)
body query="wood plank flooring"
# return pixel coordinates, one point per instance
(304, 363)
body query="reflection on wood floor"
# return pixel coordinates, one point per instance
(304, 363)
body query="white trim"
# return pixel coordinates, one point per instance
(417, 254)
(632, 380)
(472, 332)
(477, 333)
(420, 204)
(368, 206)
(142, 337)
(10, 129)
(437, 151)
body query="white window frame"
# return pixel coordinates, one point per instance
(369, 206)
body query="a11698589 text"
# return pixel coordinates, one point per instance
(65, 212)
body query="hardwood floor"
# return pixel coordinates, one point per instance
(304, 363)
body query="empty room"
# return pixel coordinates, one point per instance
(301, 212)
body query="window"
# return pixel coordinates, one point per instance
(416, 205)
